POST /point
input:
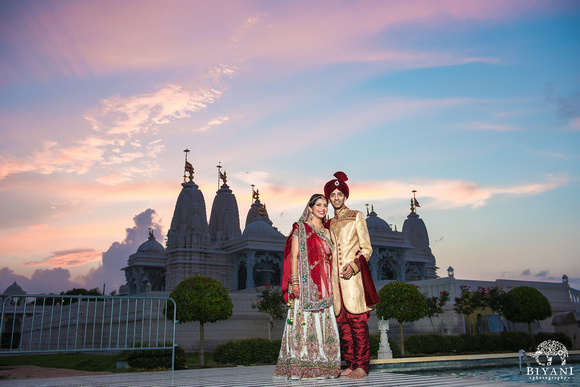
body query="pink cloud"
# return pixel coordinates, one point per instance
(68, 258)
(446, 194)
(79, 39)
(139, 113)
(480, 125)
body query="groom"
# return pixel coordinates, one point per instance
(352, 284)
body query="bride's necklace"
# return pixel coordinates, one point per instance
(319, 230)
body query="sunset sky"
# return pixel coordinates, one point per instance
(474, 104)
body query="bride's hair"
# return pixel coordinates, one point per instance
(314, 198)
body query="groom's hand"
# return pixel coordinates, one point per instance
(346, 272)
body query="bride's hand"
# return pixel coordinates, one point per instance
(296, 290)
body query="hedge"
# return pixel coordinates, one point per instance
(247, 351)
(480, 343)
(156, 358)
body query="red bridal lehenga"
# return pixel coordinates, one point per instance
(310, 344)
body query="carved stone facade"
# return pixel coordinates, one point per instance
(254, 257)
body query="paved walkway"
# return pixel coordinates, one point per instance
(245, 376)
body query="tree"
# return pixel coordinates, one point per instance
(470, 301)
(435, 305)
(271, 301)
(526, 304)
(496, 300)
(202, 299)
(79, 292)
(402, 302)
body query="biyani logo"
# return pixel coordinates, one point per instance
(550, 349)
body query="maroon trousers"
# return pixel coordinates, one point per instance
(354, 339)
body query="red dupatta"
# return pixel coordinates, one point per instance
(314, 264)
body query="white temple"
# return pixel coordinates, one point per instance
(242, 260)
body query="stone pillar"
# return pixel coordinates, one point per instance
(402, 274)
(250, 263)
(384, 347)
(235, 277)
(374, 265)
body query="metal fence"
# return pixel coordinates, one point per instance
(39, 323)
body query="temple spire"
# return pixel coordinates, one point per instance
(255, 194)
(414, 202)
(188, 168)
(219, 167)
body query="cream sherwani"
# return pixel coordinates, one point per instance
(351, 240)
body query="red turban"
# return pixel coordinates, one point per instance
(338, 183)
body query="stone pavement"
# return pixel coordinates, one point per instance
(244, 376)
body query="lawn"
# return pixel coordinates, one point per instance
(86, 362)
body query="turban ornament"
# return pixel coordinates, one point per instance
(338, 183)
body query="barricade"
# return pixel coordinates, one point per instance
(40, 323)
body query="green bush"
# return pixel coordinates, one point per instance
(375, 342)
(247, 351)
(394, 348)
(451, 344)
(468, 343)
(156, 358)
(514, 341)
(558, 336)
(488, 343)
(564, 339)
(424, 344)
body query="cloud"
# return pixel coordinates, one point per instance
(48, 40)
(42, 281)
(555, 155)
(525, 272)
(445, 193)
(140, 113)
(480, 125)
(567, 108)
(212, 123)
(542, 273)
(69, 258)
(115, 258)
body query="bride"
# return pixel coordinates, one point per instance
(310, 344)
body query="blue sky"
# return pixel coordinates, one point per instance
(476, 105)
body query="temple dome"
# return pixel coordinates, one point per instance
(376, 224)
(261, 229)
(13, 289)
(151, 245)
(224, 221)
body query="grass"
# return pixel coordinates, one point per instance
(87, 362)
(71, 361)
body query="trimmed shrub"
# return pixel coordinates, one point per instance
(247, 351)
(375, 342)
(424, 344)
(395, 348)
(469, 342)
(488, 343)
(514, 341)
(558, 336)
(151, 359)
(564, 339)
